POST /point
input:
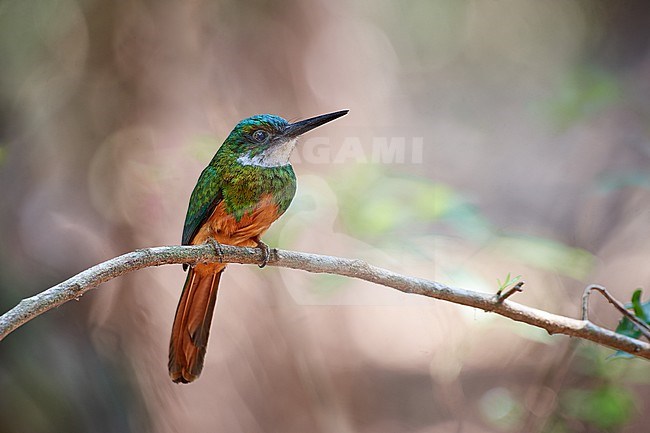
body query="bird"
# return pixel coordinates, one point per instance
(248, 184)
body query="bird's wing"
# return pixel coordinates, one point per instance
(206, 196)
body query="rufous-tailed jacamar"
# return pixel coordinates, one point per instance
(247, 186)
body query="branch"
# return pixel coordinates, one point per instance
(76, 286)
(640, 325)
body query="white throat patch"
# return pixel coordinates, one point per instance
(275, 156)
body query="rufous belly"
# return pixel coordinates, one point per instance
(224, 228)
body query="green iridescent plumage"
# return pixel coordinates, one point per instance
(241, 185)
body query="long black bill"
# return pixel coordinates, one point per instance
(298, 128)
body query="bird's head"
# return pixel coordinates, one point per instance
(266, 140)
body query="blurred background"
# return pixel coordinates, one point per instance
(485, 138)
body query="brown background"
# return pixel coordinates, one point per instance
(534, 120)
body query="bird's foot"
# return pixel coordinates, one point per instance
(217, 248)
(266, 252)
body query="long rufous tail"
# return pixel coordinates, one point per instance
(191, 327)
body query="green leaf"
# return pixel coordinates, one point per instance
(641, 310)
(621, 354)
(626, 327)
(507, 282)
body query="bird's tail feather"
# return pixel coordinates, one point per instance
(191, 327)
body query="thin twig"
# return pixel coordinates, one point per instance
(76, 286)
(514, 289)
(641, 326)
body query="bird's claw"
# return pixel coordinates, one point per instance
(266, 253)
(217, 248)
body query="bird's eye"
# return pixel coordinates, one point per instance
(260, 135)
